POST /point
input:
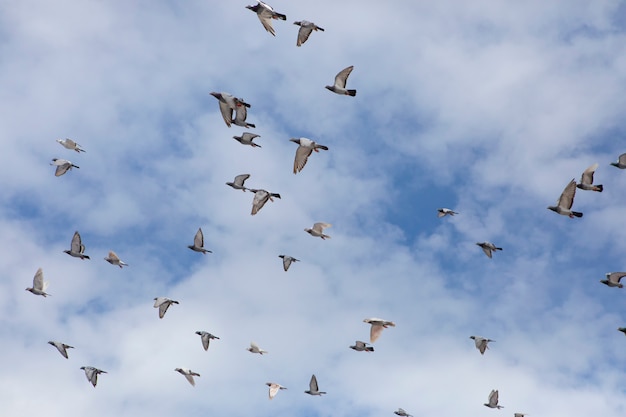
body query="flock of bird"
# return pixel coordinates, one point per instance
(234, 112)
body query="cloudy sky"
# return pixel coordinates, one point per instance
(487, 107)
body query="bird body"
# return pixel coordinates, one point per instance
(340, 83)
(613, 279)
(39, 286)
(306, 28)
(163, 303)
(246, 139)
(266, 13)
(61, 347)
(70, 144)
(313, 387)
(307, 146)
(493, 400)
(92, 374)
(287, 260)
(77, 248)
(237, 183)
(377, 327)
(565, 202)
(586, 181)
(442, 212)
(361, 347)
(206, 338)
(198, 243)
(318, 230)
(481, 343)
(260, 198)
(189, 374)
(488, 248)
(254, 348)
(274, 388)
(113, 259)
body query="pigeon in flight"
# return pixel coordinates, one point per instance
(287, 260)
(377, 327)
(493, 400)
(77, 248)
(260, 198)
(340, 83)
(163, 303)
(621, 162)
(241, 114)
(442, 212)
(274, 388)
(227, 104)
(237, 183)
(206, 338)
(266, 13)
(70, 144)
(254, 348)
(318, 230)
(246, 138)
(361, 347)
(198, 243)
(39, 286)
(307, 146)
(61, 347)
(113, 259)
(189, 374)
(586, 181)
(92, 374)
(481, 343)
(613, 279)
(313, 387)
(305, 30)
(63, 165)
(488, 248)
(400, 412)
(565, 201)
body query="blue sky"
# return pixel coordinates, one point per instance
(488, 108)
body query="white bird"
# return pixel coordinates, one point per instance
(307, 146)
(481, 343)
(254, 348)
(70, 144)
(613, 279)
(92, 374)
(266, 13)
(246, 138)
(198, 243)
(442, 212)
(313, 387)
(260, 198)
(377, 327)
(305, 30)
(77, 248)
(237, 183)
(163, 303)
(402, 413)
(63, 165)
(488, 248)
(189, 374)
(566, 200)
(274, 388)
(621, 162)
(241, 114)
(340, 83)
(361, 347)
(493, 400)
(318, 230)
(39, 286)
(113, 259)
(228, 103)
(206, 338)
(586, 181)
(61, 347)
(287, 260)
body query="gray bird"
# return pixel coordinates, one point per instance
(266, 13)
(274, 388)
(402, 413)
(63, 165)
(287, 260)
(189, 374)
(163, 303)
(519, 414)
(237, 183)
(613, 279)
(318, 230)
(442, 212)
(246, 138)
(228, 103)
(565, 202)
(260, 198)
(92, 374)
(307, 146)
(586, 181)
(481, 343)
(254, 348)
(39, 286)
(198, 243)
(377, 327)
(113, 259)
(488, 248)
(77, 248)
(313, 387)
(305, 30)
(70, 144)
(340, 83)
(621, 162)
(361, 347)
(493, 400)
(206, 338)
(241, 114)
(61, 347)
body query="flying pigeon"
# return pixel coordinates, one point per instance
(227, 104)
(586, 181)
(254, 348)
(313, 388)
(287, 260)
(77, 248)
(61, 347)
(189, 374)
(622, 329)
(237, 183)
(488, 248)
(266, 13)
(318, 230)
(260, 198)
(402, 413)
(63, 165)
(163, 303)
(493, 400)
(305, 30)
(206, 338)
(241, 114)
(442, 212)
(70, 144)
(481, 343)
(613, 279)
(340, 83)
(39, 286)
(92, 374)
(307, 146)
(113, 259)
(377, 327)
(246, 138)
(565, 201)
(274, 388)
(361, 347)
(621, 162)
(198, 243)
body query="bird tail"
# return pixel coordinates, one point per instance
(280, 16)
(598, 188)
(369, 349)
(250, 125)
(254, 145)
(351, 92)
(497, 248)
(577, 214)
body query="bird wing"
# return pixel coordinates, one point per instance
(286, 262)
(440, 213)
(487, 250)
(587, 177)
(304, 33)
(198, 240)
(205, 340)
(76, 244)
(260, 198)
(190, 379)
(247, 136)
(274, 388)
(482, 346)
(567, 197)
(375, 331)
(227, 112)
(163, 308)
(360, 345)
(342, 77)
(62, 169)
(493, 398)
(254, 346)
(302, 155)
(313, 384)
(622, 159)
(616, 276)
(241, 113)
(158, 301)
(319, 227)
(239, 179)
(266, 21)
(92, 375)
(70, 143)
(113, 256)
(38, 280)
